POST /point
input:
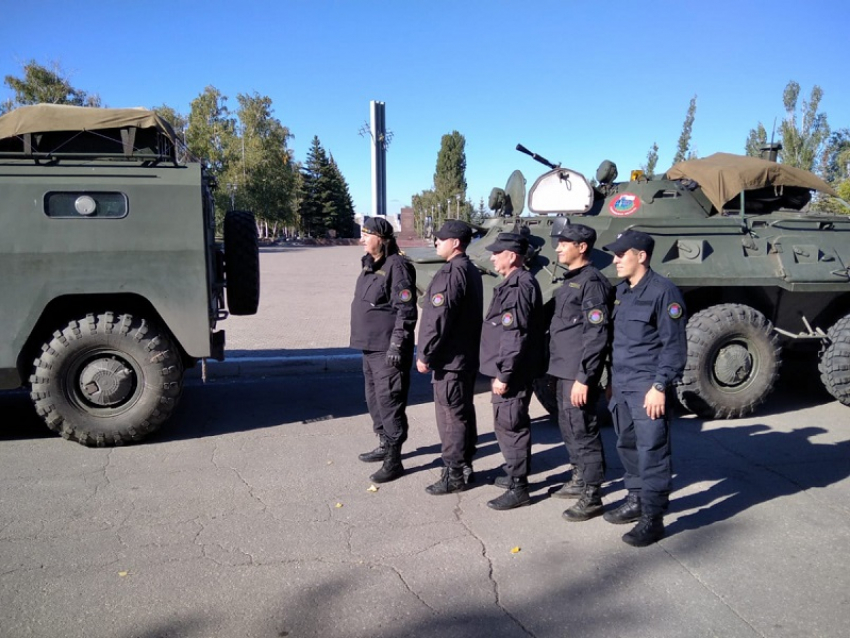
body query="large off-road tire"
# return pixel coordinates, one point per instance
(834, 364)
(107, 380)
(733, 362)
(241, 262)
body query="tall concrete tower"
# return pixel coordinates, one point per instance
(378, 132)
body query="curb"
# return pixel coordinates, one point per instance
(276, 366)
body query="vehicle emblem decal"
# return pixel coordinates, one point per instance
(625, 205)
(507, 319)
(405, 295)
(438, 300)
(596, 316)
(674, 310)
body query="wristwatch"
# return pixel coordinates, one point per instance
(659, 386)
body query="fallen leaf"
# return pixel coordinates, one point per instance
(372, 488)
(122, 574)
(515, 550)
(338, 505)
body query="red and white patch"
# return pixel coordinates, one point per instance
(675, 310)
(438, 299)
(595, 316)
(405, 295)
(508, 319)
(625, 205)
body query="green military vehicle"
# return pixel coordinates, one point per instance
(112, 282)
(759, 272)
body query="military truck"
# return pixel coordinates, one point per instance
(112, 282)
(759, 271)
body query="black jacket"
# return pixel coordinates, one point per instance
(384, 305)
(450, 328)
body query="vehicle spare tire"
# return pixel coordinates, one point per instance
(241, 262)
(834, 364)
(107, 379)
(733, 361)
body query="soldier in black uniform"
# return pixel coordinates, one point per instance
(579, 341)
(449, 333)
(512, 356)
(383, 316)
(649, 354)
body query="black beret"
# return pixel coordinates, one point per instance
(454, 229)
(631, 239)
(509, 241)
(377, 226)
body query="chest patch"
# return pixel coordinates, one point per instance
(574, 285)
(405, 295)
(438, 300)
(508, 319)
(674, 310)
(595, 316)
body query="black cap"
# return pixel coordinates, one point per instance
(455, 229)
(577, 232)
(509, 241)
(631, 239)
(377, 226)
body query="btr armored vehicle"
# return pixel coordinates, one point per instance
(112, 282)
(759, 272)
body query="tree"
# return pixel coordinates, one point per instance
(803, 140)
(684, 145)
(209, 137)
(262, 165)
(42, 84)
(178, 122)
(651, 160)
(450, 179)
(324, 200)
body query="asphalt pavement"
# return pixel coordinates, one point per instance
(249, 514)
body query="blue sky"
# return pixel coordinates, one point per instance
(577, 82)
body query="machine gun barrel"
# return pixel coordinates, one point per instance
(539, 158)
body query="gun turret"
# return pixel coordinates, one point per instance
(537, 157)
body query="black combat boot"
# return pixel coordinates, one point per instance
(451, 481)
(392, 467)
(628, 512)
(515, 496)
(587, 507)
(649, 530)
(378, 454)
(574, 488)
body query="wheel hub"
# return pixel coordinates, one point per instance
(733, 365)
(106, 382)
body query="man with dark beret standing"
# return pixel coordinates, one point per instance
(512, 356)
(579, 341)
(383, 317)
(648, 356)
(449, 334)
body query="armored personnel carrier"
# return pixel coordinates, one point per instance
(112, 282)
(760, 273)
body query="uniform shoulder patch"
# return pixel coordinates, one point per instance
(508, 319)
(405, 295)
(595, 316)
(438, 299)
(675, 310)
(574, 285)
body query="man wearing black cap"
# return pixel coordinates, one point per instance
(649, 354)
(449, 333)
(512, 356)
(579, 340)
(383, 317)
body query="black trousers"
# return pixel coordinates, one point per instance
(513, 430)
(580, 431)
(387, 388)
(644, 448)
(456, 422)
